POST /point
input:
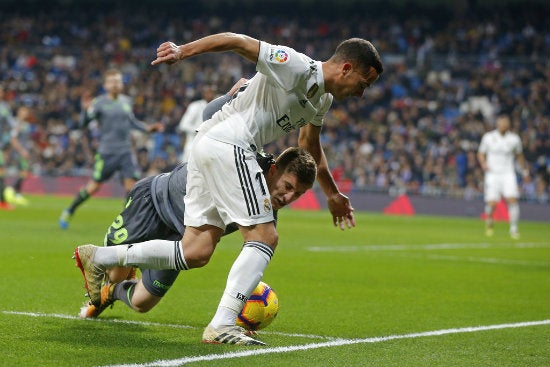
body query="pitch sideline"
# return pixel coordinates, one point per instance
(332, 342)
(149, 323)
(328, 344)
(427, 247)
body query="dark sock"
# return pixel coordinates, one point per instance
(124, 291)
(2, 187)
(18, 184)
(81, 197)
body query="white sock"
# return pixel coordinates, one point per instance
(513, 212)
(154, 254)
(244, 276)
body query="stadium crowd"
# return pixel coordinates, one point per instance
(417, 131)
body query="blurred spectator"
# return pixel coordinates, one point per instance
(417, 129)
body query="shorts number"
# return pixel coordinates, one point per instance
(119, 234)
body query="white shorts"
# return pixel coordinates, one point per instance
(500, 185)
(225, 184)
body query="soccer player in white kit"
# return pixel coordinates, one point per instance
(192, 118)
(225, 183)
(496, 154)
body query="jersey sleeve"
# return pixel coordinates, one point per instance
(282, 64)
(90, 113)
(518, 149)
(326, 101)
(483, 145)
(134, 122)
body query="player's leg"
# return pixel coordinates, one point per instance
(129, 170)
(138, 221)
(144, 294)
(94, 261)
(247, 270)
(510, 191)
(103, 170)
(513, 212)
(239, 191)
(161, 254)
(18, 185)
(491, 196)
(3, 203)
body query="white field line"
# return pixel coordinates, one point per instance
(428, 247)
(328, 344)
(155, 324)
(483, 260)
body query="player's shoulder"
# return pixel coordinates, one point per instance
(125, 98)
(488, 134)
(281, 55)
(98, 100)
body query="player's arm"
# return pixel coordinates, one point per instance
(247, 47)
(147, 128)
(142, 126)
(523, 164)
(216, 104)
(482, 159)
(14, 141)
(338, 203)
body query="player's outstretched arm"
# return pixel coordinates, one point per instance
(338, 203)
(247, 47)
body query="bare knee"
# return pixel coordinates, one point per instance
(196, 257)
(265, 233)
(142, 308)
(142, 300)
(198, 244)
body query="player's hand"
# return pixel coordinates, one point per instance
(341, 210)
(25, 154)
(156, 127)
(237, 85)
(167, 52)
(86, 100)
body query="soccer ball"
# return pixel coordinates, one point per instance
(260, 309)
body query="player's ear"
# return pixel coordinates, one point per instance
(272, 171)
(347, 68)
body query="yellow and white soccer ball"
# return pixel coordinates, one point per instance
(260, 309)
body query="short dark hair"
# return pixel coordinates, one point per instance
(360, 52)
(111, 71)
(299, 162)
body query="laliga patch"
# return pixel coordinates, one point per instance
(278, 56)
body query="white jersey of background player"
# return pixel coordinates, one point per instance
(192, 118)
(497, 153)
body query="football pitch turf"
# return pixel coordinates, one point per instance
(394, 291)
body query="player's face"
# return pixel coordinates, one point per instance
(503, 124)
(353, 83)
(23, 114)
(284, 188)
(113, 84)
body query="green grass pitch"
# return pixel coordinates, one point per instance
(394, 291)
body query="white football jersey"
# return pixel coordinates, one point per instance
(500, 151)
(285, 94)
